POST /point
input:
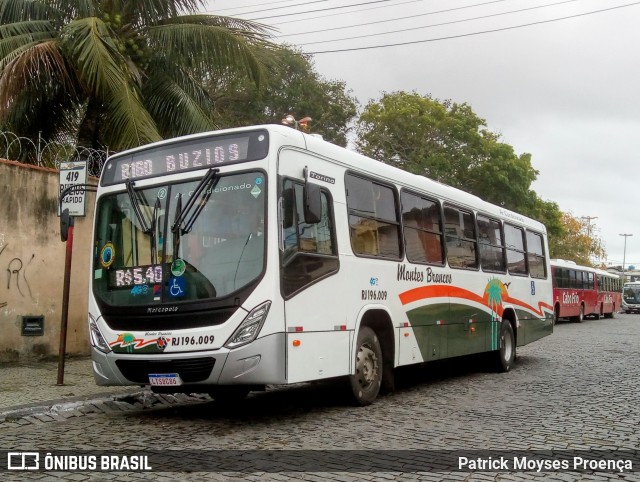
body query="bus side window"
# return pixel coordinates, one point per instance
(373, 218)
(422, 229)
(490, 244)
(460, 237)
(310, 250)
(536, 256)
(514, 240)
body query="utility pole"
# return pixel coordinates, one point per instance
(588, 219)
(624, 253)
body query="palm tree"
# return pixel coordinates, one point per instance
(116, 73)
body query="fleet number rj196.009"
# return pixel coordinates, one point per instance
(375, 295)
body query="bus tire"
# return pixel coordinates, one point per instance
(366, 381)
(505, 355)
(228, 396)
(556, 314)
(580, 317)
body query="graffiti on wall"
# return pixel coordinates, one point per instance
(16, 271)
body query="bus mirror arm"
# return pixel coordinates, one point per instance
(135, 204)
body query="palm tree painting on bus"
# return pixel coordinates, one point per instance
(493, 292)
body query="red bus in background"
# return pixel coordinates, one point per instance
(574, 290)
(580, 291)
(609, 293)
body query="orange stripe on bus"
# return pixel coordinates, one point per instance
(446, 291)
(439, 291)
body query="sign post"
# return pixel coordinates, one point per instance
(65, 299)
(73, 176)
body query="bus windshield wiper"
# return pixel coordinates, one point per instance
(205, 187)
(175, 227)
(136, 198)
(154, 231)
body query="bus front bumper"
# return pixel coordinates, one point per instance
(258, 363)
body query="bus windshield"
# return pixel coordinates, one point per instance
(140, 260)
(631, 294)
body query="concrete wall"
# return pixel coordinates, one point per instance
(32, 259)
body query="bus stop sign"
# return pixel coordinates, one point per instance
(73, 173)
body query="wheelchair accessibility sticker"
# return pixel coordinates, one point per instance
(176, 287)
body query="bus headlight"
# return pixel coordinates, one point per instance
(97, 340)
(250, 327)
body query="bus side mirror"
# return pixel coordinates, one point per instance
(312, 203)
(287, 208)
(66, 221)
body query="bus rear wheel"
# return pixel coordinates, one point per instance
(580, 317)
(365, 382)
(504, 357)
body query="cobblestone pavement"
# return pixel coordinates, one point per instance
(35, 383)
(576, 390)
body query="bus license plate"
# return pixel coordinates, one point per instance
(164, 379)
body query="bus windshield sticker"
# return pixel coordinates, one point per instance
(139, 290)
(107, 255)
(176, 287)
(178, 267)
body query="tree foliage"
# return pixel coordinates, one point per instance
(447, 142)
(116, 73)
(291, 86)
(578, 242)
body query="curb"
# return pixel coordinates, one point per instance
(57, 410)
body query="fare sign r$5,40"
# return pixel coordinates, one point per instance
(73, 173)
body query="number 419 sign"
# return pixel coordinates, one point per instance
(71, 174)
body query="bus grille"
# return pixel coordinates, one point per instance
(191, 370)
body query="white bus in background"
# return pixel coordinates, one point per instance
(234, 259)
(631, 297)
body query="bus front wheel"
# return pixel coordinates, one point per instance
(506, 354)
(365, 382)
(229, 395)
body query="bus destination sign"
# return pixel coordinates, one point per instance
(187, 155)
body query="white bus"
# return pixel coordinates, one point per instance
(235, 259)
(631, 297)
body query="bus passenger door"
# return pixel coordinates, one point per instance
(311, 282)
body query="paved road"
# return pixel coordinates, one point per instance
(576, 390)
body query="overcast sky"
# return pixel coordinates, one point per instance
(566, 91)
